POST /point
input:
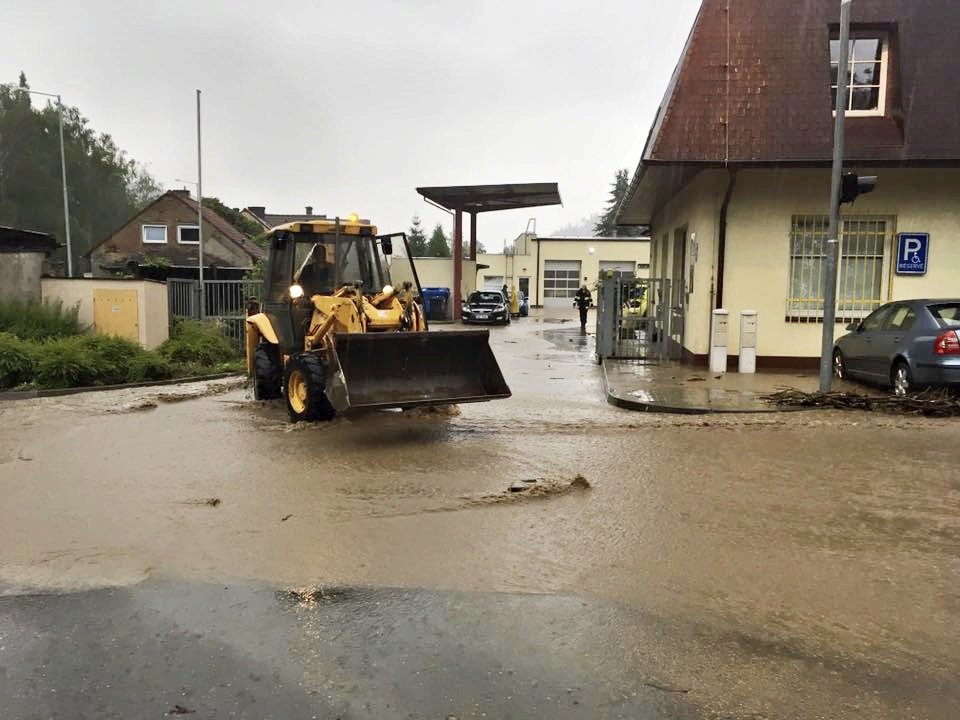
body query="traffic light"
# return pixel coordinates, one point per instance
(852, 185)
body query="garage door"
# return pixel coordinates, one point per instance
(625, 269)
(561, 278)
(492, 282)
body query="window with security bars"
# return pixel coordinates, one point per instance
(560, 283)
(860, 274)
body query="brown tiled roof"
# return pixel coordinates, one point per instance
(774, 105)
(225, 229)
(271, 220)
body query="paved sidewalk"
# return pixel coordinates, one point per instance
(675, 388)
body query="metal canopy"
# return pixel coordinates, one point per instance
(486, 198)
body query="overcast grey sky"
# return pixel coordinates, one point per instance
(350, 105)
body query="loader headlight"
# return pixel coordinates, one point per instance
(387, 290)
(296, 291)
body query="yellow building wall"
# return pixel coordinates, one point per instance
(434, 272)
(637, 251)
(152, 309)
(758, 244)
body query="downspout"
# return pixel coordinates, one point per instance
(722, 234)
(537, 301)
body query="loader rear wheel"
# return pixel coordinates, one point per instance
(267, 372)
(304, 381)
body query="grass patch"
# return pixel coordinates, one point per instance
(39, 321)
(196, 343)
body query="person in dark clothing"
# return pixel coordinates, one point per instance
(583, 300)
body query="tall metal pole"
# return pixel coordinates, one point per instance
(203, 296)
(833, 246)
(66, 205)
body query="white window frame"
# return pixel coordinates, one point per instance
(810, 309)
(881, 109)
(143, 234)
(180, 240)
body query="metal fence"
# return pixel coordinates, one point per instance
(224, 305)
(636, 319)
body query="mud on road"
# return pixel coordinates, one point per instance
(790, 565)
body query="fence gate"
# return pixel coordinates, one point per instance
(635, 318)
(225, 304)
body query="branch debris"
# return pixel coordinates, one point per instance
(934, 402)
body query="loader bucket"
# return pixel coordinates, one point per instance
(411, 369)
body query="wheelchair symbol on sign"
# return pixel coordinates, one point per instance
(916, 260)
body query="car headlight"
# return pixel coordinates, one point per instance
(500, 308)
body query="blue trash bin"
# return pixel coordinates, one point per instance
(436, 303)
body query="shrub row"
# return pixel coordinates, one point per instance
(39, 321)
(82, 360)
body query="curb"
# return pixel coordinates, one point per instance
(637, 405)
(57, 392)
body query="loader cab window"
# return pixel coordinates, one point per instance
(360, 262)
(314, 267)
(281, 247)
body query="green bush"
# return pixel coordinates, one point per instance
(39, 321)
(68, 362)
(114, 355)
(150, 366)
(16, 361)
(194, 342)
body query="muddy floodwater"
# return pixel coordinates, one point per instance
(796, 565)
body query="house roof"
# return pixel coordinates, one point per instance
(223, 227)
(271, 220)
(752, 86)
(15, 240)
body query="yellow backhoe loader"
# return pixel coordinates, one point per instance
(332, 334)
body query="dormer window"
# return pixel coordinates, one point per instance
(866, 73)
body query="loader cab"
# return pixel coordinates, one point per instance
(319, 257)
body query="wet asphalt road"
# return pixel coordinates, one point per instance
(802, 565)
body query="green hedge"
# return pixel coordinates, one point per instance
(16, 361)
(194, 342)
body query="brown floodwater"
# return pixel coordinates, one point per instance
(796, 565)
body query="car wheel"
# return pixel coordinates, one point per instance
(839, 365)
(304, 382)
(267, 372)
(901, 379)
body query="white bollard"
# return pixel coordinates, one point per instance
(718, 341)
(748, 341)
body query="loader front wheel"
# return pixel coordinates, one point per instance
(267, 372)
(304, 381)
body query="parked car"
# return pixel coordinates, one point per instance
(903, 345)
(634, 310)
(485, 306)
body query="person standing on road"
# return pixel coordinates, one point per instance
(583, 300)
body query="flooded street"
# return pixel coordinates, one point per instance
(783, 565)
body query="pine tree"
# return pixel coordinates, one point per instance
(416, 239)
(607, 226)
(438, 246)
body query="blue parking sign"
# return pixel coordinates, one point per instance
(912, 250)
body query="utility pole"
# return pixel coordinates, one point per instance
(66, 204)
(203, 295)
(833, 246)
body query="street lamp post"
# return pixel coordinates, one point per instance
(63, 173)
(833, 246)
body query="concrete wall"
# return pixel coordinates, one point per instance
(152, 317)
(757, 264)
(637, 251)
(20, 275)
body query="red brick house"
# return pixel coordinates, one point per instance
(162, 241)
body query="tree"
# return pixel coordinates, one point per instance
(105, 186)
(241, 222)
(438, 246)
(466, 250)
(416, 239)
(607, 227)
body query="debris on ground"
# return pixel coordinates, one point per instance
(933, 402)
(286, 517)
(441, 410)
(135, 406)
(180, 710)
(696, 379)
(666, 688)
(538, 488)
(212, 502)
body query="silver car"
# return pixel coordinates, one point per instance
(904, 344)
